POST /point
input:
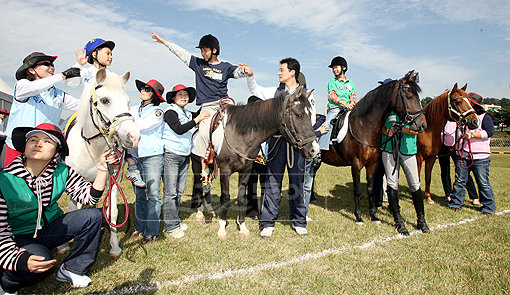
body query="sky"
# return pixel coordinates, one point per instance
(447, 42)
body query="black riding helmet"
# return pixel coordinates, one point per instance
(338, 61)
(209, 41)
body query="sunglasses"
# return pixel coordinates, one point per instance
(146, 88)
(45, 63)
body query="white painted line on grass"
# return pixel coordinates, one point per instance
(266, 266)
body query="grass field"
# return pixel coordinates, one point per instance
(466, 253)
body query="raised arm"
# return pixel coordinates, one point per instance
(180, 52)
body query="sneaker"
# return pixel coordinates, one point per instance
(2, 292)
(300, 230)
(135, 177)
(134, 235)
(267, 232)
(78, 281)
(176, 233)
(183, 226)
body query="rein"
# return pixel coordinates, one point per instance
(409, 118)
(107, 126)
(288, 130)
(289, 133)
(460, 119)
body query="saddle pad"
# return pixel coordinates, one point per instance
(343, 130)
(218, 135)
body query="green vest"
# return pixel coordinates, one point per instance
(407, 143)
(22, 202)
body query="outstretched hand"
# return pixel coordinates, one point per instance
(246, 69)
(37, 264)
(157, 38)
(81, 58)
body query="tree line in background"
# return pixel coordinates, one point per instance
(501, 117)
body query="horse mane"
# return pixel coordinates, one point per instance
(436, 109)
(259, 114)
(377, 98)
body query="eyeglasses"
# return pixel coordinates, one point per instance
(146, 88)
(45, 63)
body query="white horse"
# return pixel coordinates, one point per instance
(103, 121)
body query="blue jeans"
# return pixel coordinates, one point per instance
(84, 226)
(325, 138)
(174, 178)
(309, 175)
(480, 169)
(148, 200)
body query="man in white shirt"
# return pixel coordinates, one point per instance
(288, 77)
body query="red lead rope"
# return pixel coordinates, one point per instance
(112, 180)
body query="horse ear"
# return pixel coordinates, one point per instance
(464, 87)
(409, 76)
(297, 94)
(454, 87)
(416, 78)
(125, 77)
(101, 76)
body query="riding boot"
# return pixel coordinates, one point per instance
(395, 210)
(420, 210)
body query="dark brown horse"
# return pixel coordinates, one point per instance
(452, 104)
(361, 146)
(246, 128)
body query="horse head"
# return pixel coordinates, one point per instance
(296, 125)
(109, 108)
(407, 104)
(460, 109)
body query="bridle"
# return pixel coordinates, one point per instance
(105, 123)
(453, 110)
(409, 118)
(288, 128)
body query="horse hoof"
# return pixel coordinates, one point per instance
(377, 221)
(200, 216)
(430, 201)
(114, 256)
(244, 233)
(222, 237)
(360, 223)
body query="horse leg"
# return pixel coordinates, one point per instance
(114, 240)
(242, 201)
(429, 164)
(395, 211)
(224, 204)
(374, 184)
(357, 194)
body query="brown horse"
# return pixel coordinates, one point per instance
(246, 128)
(361, 146)
(453, 105)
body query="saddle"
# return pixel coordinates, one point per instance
(338, 132)
(225, 102)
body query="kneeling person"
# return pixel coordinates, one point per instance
(31, 222)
